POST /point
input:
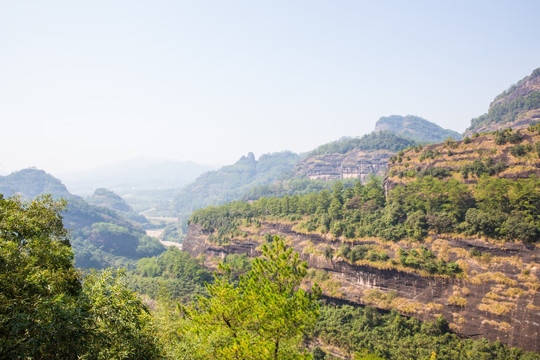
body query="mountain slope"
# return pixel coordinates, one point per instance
(32, 182)
(368, 155)
(231, 182)
(100, 236)
(509, 154)
(456, 235)
(350, 158)
(517, 107)
(415, 128)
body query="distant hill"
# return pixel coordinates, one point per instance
(415, 128)
(100, 236)
(352, 158)
(517, 107)
(137, 174)
(377, 140)
(232, 181)
(30, 183)
(110, 200)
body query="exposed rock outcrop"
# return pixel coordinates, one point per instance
(497, 297)
(355, 164)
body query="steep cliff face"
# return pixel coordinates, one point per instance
(355, 164)
(496, 297)
(368, 155)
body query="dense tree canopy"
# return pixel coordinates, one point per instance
(47, 310)
(497, 207)
(39, 285)
(263, 317)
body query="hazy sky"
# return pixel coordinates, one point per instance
(84, 83)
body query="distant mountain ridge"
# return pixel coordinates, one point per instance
(415, 128)
(231, 182)
(347, 158)
(30, 183)
(140, 173)
(376, 140)
(517, 107)
(361, 157)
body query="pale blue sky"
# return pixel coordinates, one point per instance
(84, 83)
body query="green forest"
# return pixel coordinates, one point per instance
(248, 180)
(507, 107)
(496, 207)
(249, 309)
(381, 140)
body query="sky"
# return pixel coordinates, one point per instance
(86, 83)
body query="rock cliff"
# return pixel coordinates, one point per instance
(496, 298)
(353, 164)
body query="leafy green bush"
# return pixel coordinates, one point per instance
(520, 150)
(425, 259)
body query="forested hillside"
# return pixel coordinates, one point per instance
(100, 236)
(450, 234)
(415, 128)
(517, 107)
(377, 140)
(264, 313)
(230, 182)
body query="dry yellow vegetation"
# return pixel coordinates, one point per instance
(501, 326)
(496, 307)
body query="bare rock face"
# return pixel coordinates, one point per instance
(355, 164)
(496, 297)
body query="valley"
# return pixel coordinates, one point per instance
(423, 240)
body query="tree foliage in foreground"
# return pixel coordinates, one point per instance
(264, 316)
(173, 274)
(39, 286)
(47, 310)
